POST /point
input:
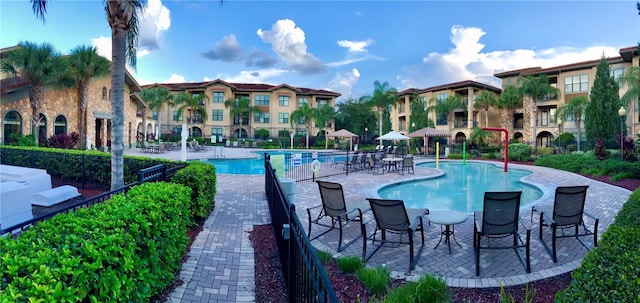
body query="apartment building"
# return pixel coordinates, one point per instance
(275, 102)
(464, 119)
(572, 80)
(60, 110)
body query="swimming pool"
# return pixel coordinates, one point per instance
(255, 166)
(461, 188)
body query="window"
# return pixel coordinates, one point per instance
(216, 131)
(218, 97)
(544, 118)
(441, 97)
(197, 118)
(60, 125)
(154, 115)
(570, 117)
(12, 123)
(177, 115)
(321, 103)
(283, 100)
(617, 75)
(177, 129)
(302, 120)
(217, 115)
(104, 94)
(303, 100)
(283, 118)
(552, 115)
(262, 99)
(577, 83)
(509, 81)
(261, 117)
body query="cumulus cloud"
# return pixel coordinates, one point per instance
(228, 50)
(174, 79)
(155, 20)
(355, 46)
(260, 59)
(254, 76)
(467, 61)
(342, 82)
(288, 42)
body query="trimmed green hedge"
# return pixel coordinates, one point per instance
(125, 249)
(201, 177)
(611, 272)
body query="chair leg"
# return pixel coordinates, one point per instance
(340, 235)
(553, 243)
(412, 264)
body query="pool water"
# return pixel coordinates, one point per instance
(461, 188)
(255, 166)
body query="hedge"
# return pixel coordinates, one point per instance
(201, 177)
(125, 249)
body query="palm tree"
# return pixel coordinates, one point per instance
(485, 100)
(194, 103)
(632, 79)
(305, 114)
(383, 96)
(242, 109)
(325, 114)
(446, 107)
(155, 98)
(510, 99)
(85, 63)
(575, 107)
(40, 65)
(535, 88)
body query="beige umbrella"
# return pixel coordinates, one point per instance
(343, 133)
(428, 132)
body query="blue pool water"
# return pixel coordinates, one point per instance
(461, 188)
(255, 166)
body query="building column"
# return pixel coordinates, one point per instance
(470, 108)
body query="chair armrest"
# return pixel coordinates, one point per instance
(525, 224)
(591, 216)
(547, 218)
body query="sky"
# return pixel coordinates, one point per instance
(342, 46)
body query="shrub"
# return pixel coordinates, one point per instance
(546, 150)
(64, 141)
(262, 134)
(17, 139)
(427, 289)
(201, 178)
(349, 264)
(600, 150)
(519, 152)
(375, 279)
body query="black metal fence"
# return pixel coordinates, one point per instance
(151, 174)
(305, 278)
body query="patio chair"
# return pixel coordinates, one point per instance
(500, 218)
(353, 163)
(375, 165)
(334, 208)
(566, 213)
(391, 217)
(407, 164)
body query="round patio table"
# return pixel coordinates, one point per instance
(448, 219)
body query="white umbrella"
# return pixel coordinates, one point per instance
(393, 136)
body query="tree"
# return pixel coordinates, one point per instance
(241, 109)
(632, 79)
(194, 103)
(509, 100)
(576, 107)
(304, 114)
(601, 114)
(536, 88)
(356, 114)
(40, 65)
(383, 96)
(155, 98)
(84, 64)
(419, 115)
(485, 100)
(324, 115)
(446, 107)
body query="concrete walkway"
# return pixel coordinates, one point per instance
(220, 263)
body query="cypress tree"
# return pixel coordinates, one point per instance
(601, 116)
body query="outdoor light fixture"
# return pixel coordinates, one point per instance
(366, 129)
(622, 113)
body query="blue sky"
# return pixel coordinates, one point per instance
(343, 46)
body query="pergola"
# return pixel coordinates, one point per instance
(343, 133)
(426, 133)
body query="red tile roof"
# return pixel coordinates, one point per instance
(242, 87)
(461, 84)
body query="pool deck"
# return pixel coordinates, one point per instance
(220, 263)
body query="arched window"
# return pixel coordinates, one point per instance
(104, 94)
(12, 124)
(60, 125)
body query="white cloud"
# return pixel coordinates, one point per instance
(288, 42)
(342, 82)
(174, 79)
(255, 76)
(355, 46)
(155, 20)
(103, 46)
(466, 61)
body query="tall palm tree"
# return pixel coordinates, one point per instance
(156, 97)
(122, 16)
(446, 107)
(304, 113)
(575, 107)
(510, 99)
(485, 100)
(40, 65)
(325, 114)
(194, 103)
(242, 109)
(383, 96)
(535, 88)
(84, 64)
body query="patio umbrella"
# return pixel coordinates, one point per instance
(393, 136)
(343, 133)
(428, 132)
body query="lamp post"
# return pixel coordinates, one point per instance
(622, 113)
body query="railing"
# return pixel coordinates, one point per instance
(305, 278)
(301, 166)
(155, 173)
